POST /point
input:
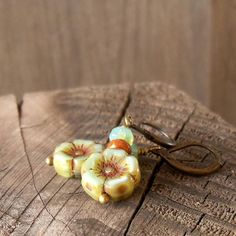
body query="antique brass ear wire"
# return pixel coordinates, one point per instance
(165, 140)
(166, 145)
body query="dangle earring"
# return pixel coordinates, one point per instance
(111, 171)
(106, 173)
(114, 173)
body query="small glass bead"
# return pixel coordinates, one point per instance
(134, 150)
(119, 144)
(122, 132)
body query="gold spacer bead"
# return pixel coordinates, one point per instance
(128, 121)
(49, 160)
(104, 198)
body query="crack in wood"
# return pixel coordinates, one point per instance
(155, 172)
(227, 176)
(20, 105)
(185, 122)
(19, 109)
(147, 189)
(198, 222)
(185, 233)
(119, 119)
(5, 212)
(26, 207)
(205, 198)
(126, 105)
(58, 211)
(207, 182)
(18, 195)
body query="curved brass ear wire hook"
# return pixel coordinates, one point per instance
(189, 169)
(165, 148)
(165, 141)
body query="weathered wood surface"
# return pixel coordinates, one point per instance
(166, 203)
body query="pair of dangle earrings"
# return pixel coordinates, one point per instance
(112, 171)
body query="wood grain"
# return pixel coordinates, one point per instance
(57, 117)
(11, 153)
(166, 203)
(188, 205)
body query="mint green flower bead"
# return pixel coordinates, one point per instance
(122, 132)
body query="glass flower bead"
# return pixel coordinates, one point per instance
(68, 157)
(111, 174)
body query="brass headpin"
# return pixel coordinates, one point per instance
(128, 121)
(146, 150)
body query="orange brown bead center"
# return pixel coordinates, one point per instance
(110, 169)
(77, 151)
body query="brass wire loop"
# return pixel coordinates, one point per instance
(165, 145)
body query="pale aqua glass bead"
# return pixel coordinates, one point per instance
(134, 150)
(122, 132)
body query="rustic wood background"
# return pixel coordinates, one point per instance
(59, 43)
(167, 202)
